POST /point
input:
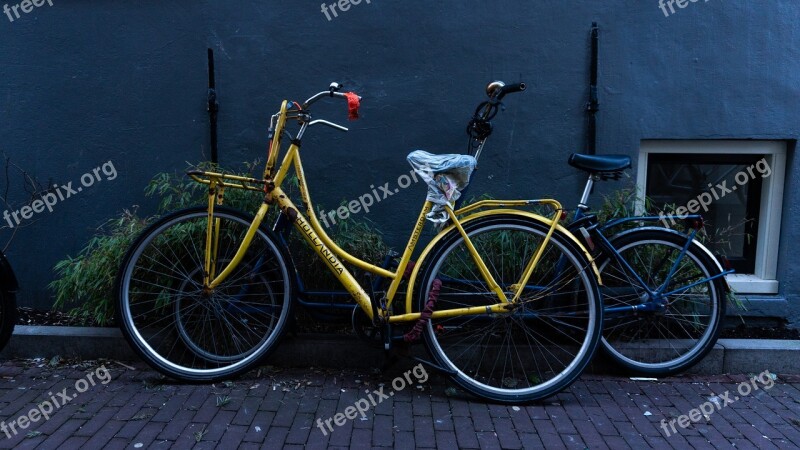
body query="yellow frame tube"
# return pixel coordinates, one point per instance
(477, 258)
(327, 254)
(212, 188)
(526, 274)
(292, 159)
(505, 203)
(498, 308)
(237, 258)
(214, 251)
(275, 148)
(406, 257)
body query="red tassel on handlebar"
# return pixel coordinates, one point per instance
(353, 103)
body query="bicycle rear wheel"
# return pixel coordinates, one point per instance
(685, 328)
(191, 333)
(536, 349)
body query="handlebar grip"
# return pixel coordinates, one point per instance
(353, 103)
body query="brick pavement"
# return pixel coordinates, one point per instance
(273, 408)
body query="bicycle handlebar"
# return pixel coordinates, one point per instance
(320, 95)
(480, 127)
(498, 89)
(327, 123)
(333, 91)
(511, 88)
(353, 104)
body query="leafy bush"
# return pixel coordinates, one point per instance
(85, 283)
(88, 279)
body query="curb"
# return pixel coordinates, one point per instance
(322, 350)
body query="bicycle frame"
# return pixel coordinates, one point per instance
(334, 256)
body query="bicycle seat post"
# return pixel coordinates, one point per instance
(583, 205)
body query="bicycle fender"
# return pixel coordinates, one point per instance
(514, 212)
(699, 244)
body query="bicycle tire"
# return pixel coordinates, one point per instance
(185, 332)
(8, 316)
(566, 334)
(651, 343)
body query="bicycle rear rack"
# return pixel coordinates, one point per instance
(227, 181)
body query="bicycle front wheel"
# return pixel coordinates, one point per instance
(543, 343)
(192, 333)
(666, 334)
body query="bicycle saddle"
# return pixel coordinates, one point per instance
(600, 163)
(446, 176)
(421, 160)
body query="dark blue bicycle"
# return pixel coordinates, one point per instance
(663, 291)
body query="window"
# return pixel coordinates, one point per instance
(738, 188)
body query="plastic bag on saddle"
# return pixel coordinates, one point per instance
(445, 175)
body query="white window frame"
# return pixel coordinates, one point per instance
(764, 279)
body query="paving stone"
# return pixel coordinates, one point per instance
(383, 433)
(232, 436)
(506, 434)
(465, 433)
(424, 435)
(300, 429)
(172, 429)
(530, 441)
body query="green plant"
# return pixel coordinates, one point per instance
(223, 400)
(198, 435)
(621, 203)
(84, 284)
(87, 279)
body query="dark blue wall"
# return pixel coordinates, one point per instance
(87, 82)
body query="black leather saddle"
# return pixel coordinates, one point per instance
(600, 164)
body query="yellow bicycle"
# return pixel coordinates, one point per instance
(506, 300)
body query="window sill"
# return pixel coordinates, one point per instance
(751, 284)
